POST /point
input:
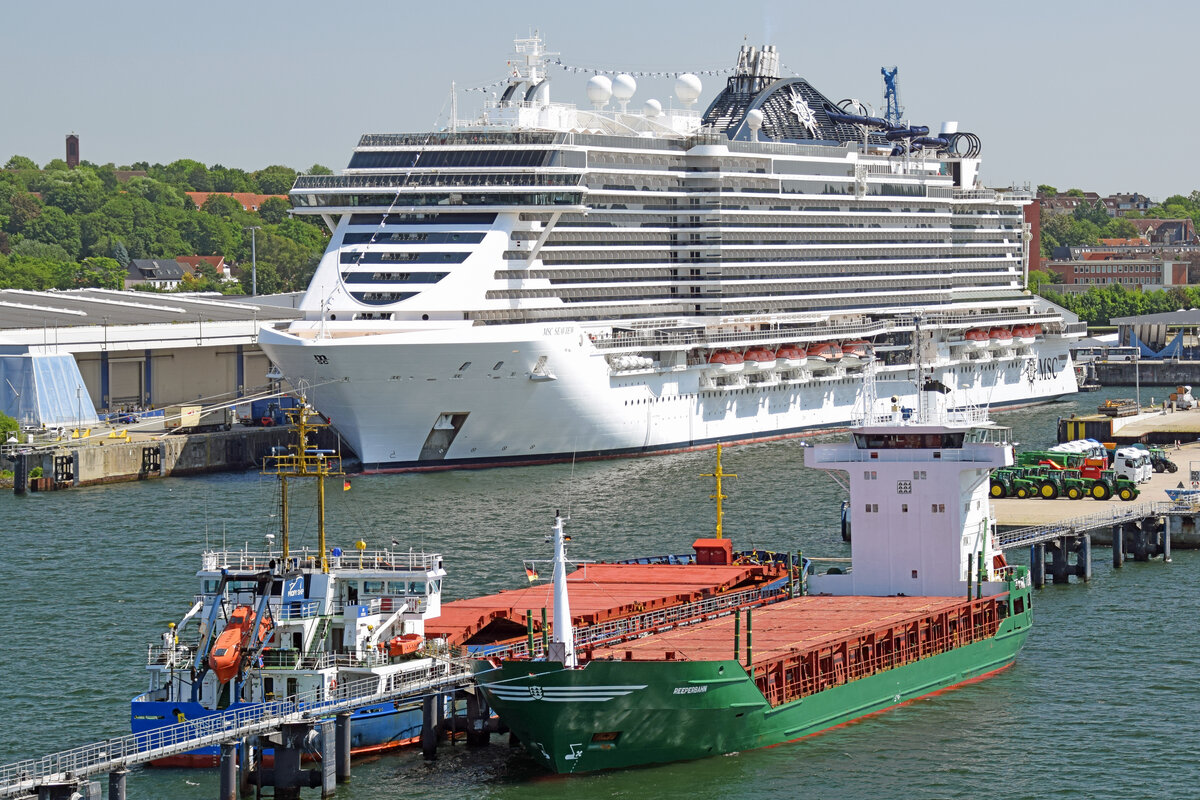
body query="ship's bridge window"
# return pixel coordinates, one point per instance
(908, 441)
(416, 587)
(372, 587)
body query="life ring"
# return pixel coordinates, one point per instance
(266, 422)
(333, 684)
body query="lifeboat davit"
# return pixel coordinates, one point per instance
(825, 351)
(226, 656)
(726, 361)
(855, 351)
(791, 356)
(1000, 337)
(404, 645)
(977, 338)
(758, 359)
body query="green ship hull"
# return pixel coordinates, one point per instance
(614, 714)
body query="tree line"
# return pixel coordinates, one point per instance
(64, 228)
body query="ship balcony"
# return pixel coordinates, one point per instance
(368, 560)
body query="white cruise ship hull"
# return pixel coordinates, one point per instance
(404, 401)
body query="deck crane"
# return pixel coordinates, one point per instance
(891, 95)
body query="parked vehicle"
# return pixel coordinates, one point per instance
(197, 419)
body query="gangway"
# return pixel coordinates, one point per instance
(24, 777)
(1074, 526)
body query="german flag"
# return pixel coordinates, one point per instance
(531, 573)
(345, 486)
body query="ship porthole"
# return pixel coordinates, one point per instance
(424, 316)
(720, 670)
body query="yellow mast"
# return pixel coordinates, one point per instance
(719, 474)
(303, 461)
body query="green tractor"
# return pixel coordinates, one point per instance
(1021, 482)
(1159, 459)
(1110, 485)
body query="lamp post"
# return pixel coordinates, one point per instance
(253, 260)
(1137, 378)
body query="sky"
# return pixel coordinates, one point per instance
(1090, 95)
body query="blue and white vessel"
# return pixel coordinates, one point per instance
(280, 623)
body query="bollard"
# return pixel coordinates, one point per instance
(1118, 546)
(1037, 564)
(229, 785)
(116, 783)
(288, 777)
(342, 734)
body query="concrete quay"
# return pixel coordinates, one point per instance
(1013, 513)
(131, 455)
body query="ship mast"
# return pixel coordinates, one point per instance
(303, 461)
(719, 496)
(562, 647)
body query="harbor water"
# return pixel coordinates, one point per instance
(1102, 702)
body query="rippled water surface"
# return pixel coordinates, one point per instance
(1102, 703)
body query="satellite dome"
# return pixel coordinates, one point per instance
(754, 118)
(623, 87)
(652, 108)
(599, 89)
(687, 88)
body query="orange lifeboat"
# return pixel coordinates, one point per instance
(759, 358)
(1024, 334)
(726, 361)
(226, 656)
(791, 355)
(404, 645)
(825, 351)
(1000, 337)
(855, 351)
(977, 338)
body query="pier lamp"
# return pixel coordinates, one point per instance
(253, 260)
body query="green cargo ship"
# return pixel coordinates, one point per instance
(929, 604)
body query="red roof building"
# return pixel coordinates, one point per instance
(247, 200)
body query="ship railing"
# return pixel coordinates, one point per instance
(1075, 328)
(637, 625)
(666, 337)
(465, 138)
(256, 560)
(396, 181)
(382, 605)
(1016, 317)
(431, 676)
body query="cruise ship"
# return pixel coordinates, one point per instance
(547, 282)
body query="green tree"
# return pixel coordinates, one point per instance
(226, 179)
(319, 169)
(31, 274)
(44, 251)
(103, 273)
(23, 208)
(1119, 228)
(275, 179)
(267, 276)
(8, 426)
(20, 162)
(1039, 278)
(120, 254)
(1047, 189)
(274, 210)
(54, 226)
(75, 191)
(221, 205)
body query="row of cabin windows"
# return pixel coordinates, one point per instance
(935, 508)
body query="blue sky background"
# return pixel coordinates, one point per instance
(1095, 95)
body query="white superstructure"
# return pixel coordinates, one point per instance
(551, 282)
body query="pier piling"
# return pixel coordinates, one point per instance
(229, 784)
(342, 734)
(58, 791)
(1037, 564)
(116, 783)
(1118, 546)
(429, 727)
(1083, 557)
(1168, 522)
(329, 762)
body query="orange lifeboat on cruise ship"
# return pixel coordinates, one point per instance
(855, 351)
(726, 361)
(1026, 334)
(1000, 337)
(977, 338)
(825, 351)
(759, 358)
(226, 656)
(791, 355)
